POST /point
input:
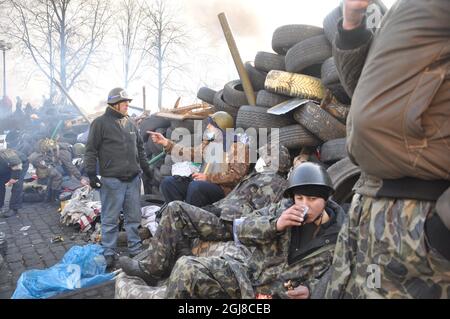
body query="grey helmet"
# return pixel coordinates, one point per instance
(311, 179)
(118, 95)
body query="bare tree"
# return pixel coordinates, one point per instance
(61, 36)
(131, 22)
(168, 40)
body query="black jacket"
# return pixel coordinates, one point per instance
(115, 142)
(11, 161)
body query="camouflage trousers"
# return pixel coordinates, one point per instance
(222, 274)
(179, 226)
(135, 288)
(382, 252)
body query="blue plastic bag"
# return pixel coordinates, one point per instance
(81, 266)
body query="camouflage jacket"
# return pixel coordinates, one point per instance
(234, 168)
(253, 192)
(268, 268)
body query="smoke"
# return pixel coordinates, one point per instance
(243, 20)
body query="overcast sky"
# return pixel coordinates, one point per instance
(209, 61)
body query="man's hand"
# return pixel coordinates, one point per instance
(158, 138)
(95, 182)
(300, 292)
(293, 216)
(11, 182)
(199, 177)
(353, 13)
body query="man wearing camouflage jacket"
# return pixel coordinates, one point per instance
(182, 223)
(395, 243)
(288, 248)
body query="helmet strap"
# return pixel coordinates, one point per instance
(115, 108)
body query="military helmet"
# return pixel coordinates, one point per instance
(310, 179)
(46, 145)
(79, 149)
(118, 95)
(222, 119)
(277, 155)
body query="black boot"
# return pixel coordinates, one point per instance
(135, 268)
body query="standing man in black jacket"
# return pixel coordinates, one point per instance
(116, 145)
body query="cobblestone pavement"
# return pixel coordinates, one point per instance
(32, 248)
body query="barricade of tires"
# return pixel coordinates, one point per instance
(301, 66)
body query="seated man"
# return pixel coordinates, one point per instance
(53, 161)
(219, 177)
(288, 248)
(181, 223)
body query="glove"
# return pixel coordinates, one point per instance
(95, 182)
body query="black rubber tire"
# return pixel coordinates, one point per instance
(329, 74)
(152, 148)
(206, 95)
(333, 151)
(339, 93)
(344, 174)
(311, 51)
(221, 105)
(267, 99)
(68, 137)
(296, 136)
(257, 77)
(319, 122)
(330, 22)
(151, 123)
(313, 70)
(266, 61)
(257, 117)
(285, 37)
(233, 94)
(187, 124)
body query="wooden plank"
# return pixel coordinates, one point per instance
(181, 117)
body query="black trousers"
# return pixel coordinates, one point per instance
(197, 193)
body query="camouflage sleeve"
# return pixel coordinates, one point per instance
(238, 166)
(259, 228)
(66, 161)
(177, 151)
